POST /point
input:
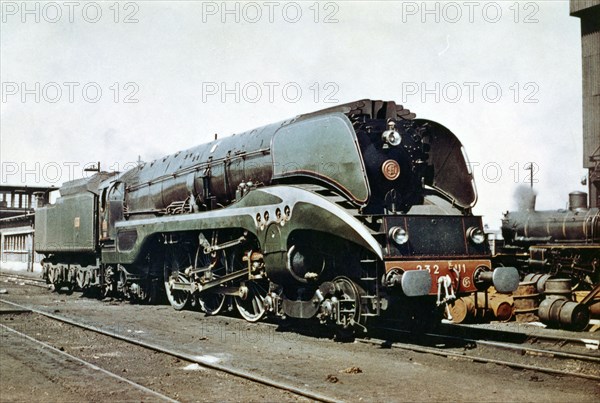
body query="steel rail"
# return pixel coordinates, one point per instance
(405, 346)
(560, 339)
(36, 282)
(507, 346)
(89, 364)
(232, 371)
(467, 357)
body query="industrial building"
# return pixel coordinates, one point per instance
(17, 207)
(588, 11)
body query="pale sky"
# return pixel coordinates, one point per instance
(186, 62)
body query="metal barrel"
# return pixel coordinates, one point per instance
(501, 306)
(539, 279)
(526, 302)
(481, 307)
(559, 312)
(462, 309)
(558, 286)
(548, 310)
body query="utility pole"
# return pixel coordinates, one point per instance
(530, 169)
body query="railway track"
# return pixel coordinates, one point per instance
(168, 351)
(517, 350)
(484, 351)
(67, 356)
(29, 280)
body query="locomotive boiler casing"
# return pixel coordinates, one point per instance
(261, 156)
(560, 242)
(525, 227)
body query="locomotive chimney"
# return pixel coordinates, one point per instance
(578, 200)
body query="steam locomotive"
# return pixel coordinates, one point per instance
(352, 212)
(561, 243)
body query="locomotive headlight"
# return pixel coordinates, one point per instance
(398, 235)
(476, 235)
(392, 137)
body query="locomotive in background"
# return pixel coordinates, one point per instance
(352, 212)
(562, 243)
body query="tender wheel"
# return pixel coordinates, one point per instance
(82, 279)
(108, 282)
(252, 305)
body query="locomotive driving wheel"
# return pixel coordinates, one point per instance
(177, 298)
(252, 304)
(214, 265)
(253, 290)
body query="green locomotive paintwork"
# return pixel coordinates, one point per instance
(307, 211)
(301, 217)
(71, 224)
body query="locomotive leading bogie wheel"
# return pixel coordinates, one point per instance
(252, 305)
(349, 307)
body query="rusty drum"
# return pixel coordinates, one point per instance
(559, 312)
(526, 301)
(558, 287)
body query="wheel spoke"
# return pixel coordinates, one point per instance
(211, 303)
(252, 307)
(177, 298)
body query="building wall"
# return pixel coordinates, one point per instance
(17, 208)
(16, 249)
(589, 13)
(579, 5)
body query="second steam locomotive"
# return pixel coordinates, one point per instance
(561, 243)
(351, 212)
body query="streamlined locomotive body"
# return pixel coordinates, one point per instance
(342, 214)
